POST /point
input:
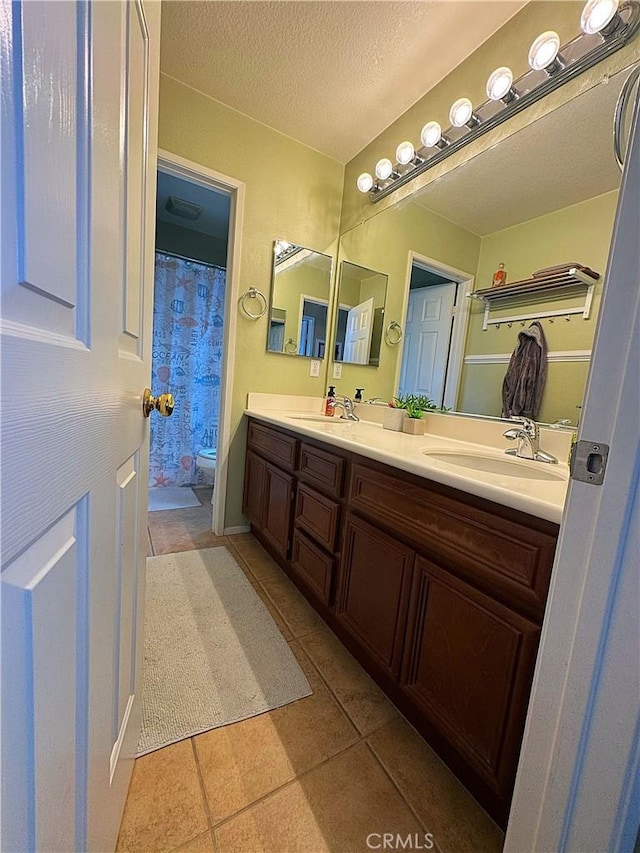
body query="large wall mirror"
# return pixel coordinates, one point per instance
(546, 196)
(300, 297)
(359, 315)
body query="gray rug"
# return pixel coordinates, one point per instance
(213, 655)
(171, 497)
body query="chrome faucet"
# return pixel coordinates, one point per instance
(528, 436)
(347, 405)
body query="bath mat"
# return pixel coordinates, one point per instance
(171, 497)
(212, 655)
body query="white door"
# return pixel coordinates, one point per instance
(426, 341)
(357, 342)
(79, 99)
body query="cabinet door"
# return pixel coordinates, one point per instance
(254, 489)
(278, 509)
(468, 666)
(375, 580)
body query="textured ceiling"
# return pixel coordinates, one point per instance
(561, 159)
(330, 73)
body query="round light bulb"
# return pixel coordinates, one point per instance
(597, 14)
(431, 134)
(461, 112)
(405, 153)
(544, 50)
(384, 168)
(499, 83)
(365, 182)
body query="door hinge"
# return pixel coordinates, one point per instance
(454, 309)
(589, 462)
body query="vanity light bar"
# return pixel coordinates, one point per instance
(607, 26)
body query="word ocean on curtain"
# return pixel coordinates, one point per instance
(188, 316)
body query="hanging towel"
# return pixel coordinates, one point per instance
(526, 375)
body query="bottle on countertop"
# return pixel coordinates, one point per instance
(499, 276)
(358, 397)
(328, 405)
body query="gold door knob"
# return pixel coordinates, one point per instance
(163, 403)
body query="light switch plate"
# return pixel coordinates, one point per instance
(314, 369)
(337, 371)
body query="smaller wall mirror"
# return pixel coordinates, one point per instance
(360, 315)
(300, 293)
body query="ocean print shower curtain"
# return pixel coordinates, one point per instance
(188, 315)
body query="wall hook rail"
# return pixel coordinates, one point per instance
(248, 299)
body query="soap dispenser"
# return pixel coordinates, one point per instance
(329, 409)
(358, 397)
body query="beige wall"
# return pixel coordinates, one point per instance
(580, 233)
(292, 192)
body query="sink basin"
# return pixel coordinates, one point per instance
(489, 464)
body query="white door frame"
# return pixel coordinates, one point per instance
(316, 300)
(195, 173)
(460, 322)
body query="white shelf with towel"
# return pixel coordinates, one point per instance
(556, 281)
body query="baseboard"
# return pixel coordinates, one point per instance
(241, 528)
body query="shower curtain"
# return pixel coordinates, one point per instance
(188, 318)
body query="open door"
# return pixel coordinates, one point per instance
(357, 342)
(79, 100)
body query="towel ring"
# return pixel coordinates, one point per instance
(393, 334)
(253, 293)
(290, 347)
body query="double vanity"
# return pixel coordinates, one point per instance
(429, 556)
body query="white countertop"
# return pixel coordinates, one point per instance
(538, 497)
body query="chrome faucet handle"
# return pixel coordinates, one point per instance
(528, 425)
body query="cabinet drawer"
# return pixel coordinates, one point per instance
(492, 551)
(273, 445)
(468, 666)
(312, 565)
(322, 468)
(374, 584)
(318, 516)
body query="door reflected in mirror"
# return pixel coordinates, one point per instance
(300, 296)
(360, 315)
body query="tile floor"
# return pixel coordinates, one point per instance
(320, 774)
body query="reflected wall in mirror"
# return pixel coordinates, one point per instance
(300, 297)
(360, 315)
(543, 197)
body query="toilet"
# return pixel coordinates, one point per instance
(206, 464)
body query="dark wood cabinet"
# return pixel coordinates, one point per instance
(468, 666)
(253, 501)
(278, 510)
(374, 585)
(438, 593)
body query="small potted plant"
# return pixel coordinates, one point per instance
(413, 423)
(394, 415)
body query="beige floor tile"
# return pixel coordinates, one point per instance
(171, 538)
(332, 808)
(457, 822)
(295, 609)
(275, 613)
(262, 566)
(243, 762)
(201, 844)
(361, 698)
(165, 807)
(243, 537)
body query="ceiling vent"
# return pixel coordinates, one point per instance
(183, 209)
